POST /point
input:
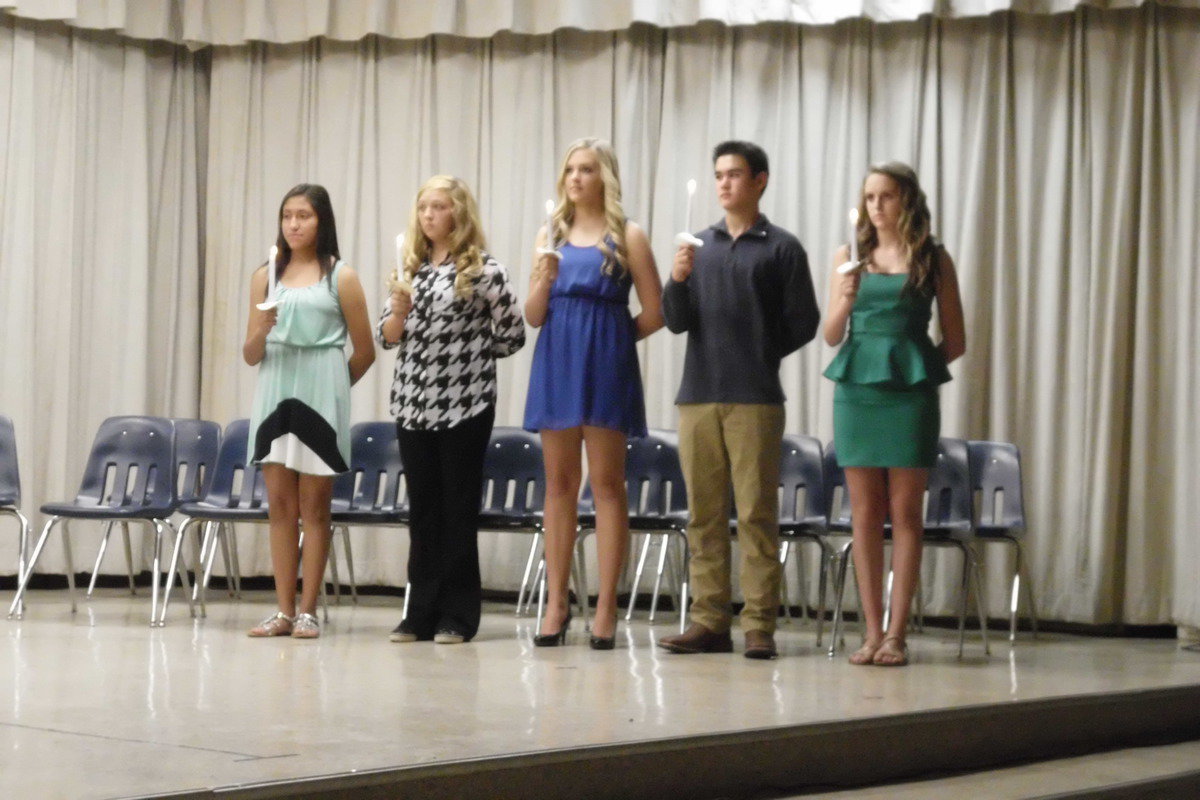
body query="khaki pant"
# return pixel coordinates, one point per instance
(717, 440)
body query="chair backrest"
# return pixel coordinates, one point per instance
(132, 464)
(837, 498)
(949, 502)
(376, 476)
(197, 442)
(801, 474)
(996, 480)
(514, 478)
(235, 483)
(10, 472)
(653, 476)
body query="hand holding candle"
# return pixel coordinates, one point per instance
(547, 248)
(270, 302)
(685, 238)
(853, 264)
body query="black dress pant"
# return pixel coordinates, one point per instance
(444, 473)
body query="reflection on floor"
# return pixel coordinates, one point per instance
(99, 705)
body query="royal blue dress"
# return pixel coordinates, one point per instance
(585, 365)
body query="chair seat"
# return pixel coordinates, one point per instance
(368, 517)
(9, 500)
(814, 526)
(203, 510)
(72, 511)
(675, 522)
(997, 532)
(498, 522)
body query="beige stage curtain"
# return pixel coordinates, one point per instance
(1060, 154)
(99, 248)
(1060, 159)
(236, 22)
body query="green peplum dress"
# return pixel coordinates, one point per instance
(885, 405)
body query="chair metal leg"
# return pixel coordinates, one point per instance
(229, 537)
(662, 559)
(70, 561)
(540, 578)
(839, 593)
(17, 609)
(99, 558)
(825, 564)
(580, 590)
(407, 597)
(1018, 568)
(637, 576)
(128, 556)
(333, 569)
(980, 595)
(785, 548)
(525, 591)
(175, 566)
(887, 600)
(22, 541)
(350, 564)
(964, 585)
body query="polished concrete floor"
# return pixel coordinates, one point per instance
(99, 705)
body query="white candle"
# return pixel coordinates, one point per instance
(691, 191)
(272, 268)
(549, 225)
(854, 236)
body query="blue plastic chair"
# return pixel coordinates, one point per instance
(949, 522)
(372, 492)
(996, 479)
(10, 489)
(236, 493)
(658, 511)
(130, 475)
(513, 495)
(802, 475)
(196, 444)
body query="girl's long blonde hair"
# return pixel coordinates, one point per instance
(920, 248)
(616, 256)
(466, 238)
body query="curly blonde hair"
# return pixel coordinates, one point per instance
(920, 248)
(616, 257)
(466, 238)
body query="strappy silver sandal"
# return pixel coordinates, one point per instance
(306, 627)
(278, 624)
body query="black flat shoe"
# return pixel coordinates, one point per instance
(553, 639)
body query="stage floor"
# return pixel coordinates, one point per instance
(99, 705)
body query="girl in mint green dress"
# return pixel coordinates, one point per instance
(886, 417)
(300, 423)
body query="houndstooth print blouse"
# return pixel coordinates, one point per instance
(446, 367)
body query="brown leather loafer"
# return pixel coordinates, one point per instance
(760, 644)
(698, 639)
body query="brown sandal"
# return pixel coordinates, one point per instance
(865, 655)
(894, 654)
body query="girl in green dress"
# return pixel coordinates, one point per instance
(300, 424)
(886, 417)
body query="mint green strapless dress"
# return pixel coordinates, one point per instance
(885, 405)
(301, 413)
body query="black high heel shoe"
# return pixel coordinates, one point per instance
(553, 639)
(604, 642)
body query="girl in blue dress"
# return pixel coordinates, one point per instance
(585, 388)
